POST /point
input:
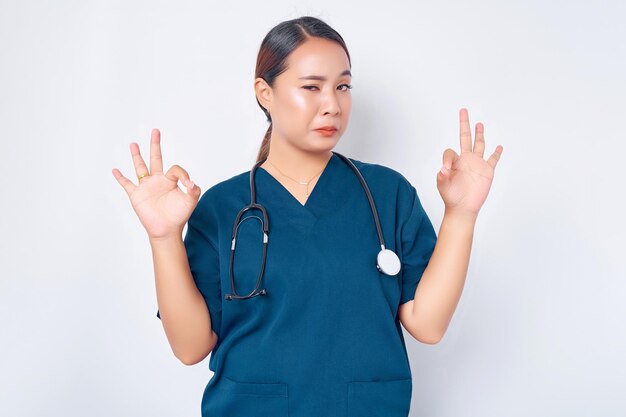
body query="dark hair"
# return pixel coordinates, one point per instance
(276, 47)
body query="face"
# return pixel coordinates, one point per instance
(312, 93)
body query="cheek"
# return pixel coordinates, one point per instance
(299, 100)
(346, 106)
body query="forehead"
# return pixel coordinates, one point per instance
(317, 56)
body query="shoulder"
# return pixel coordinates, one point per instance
(383, 176)
(391, 187)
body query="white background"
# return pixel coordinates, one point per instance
(539, 330)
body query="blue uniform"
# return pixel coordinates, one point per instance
(326, 339)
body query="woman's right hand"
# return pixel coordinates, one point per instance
(162, 207)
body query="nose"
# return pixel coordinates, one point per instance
(330, 104)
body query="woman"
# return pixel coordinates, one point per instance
(305, 321)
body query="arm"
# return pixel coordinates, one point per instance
(427, 317)
(463, 182)
(182, 308)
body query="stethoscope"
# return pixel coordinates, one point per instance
(387, 261)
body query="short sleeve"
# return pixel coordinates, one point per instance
(418, 240)
(204, 263)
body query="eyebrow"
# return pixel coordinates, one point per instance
(322, 78)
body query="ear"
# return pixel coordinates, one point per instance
(263, 92)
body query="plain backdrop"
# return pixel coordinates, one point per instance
(539, 330)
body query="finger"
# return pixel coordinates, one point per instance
(127, 184)
(193, 190)
(495, 156)
(449, 156)
(479, 139)
(441, 175)
(140, 165)
(465, 131)
(156, 160)
(178, 173)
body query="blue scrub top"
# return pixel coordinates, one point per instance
(326, 340)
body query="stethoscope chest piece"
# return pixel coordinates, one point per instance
(388, 262)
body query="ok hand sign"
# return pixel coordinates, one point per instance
(162, 207)
(464, 180)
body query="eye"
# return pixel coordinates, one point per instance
(311, 87)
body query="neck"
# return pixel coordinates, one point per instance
(297, 163)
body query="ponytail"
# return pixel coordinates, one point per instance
(265, 145)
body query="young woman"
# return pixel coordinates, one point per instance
(297, 274)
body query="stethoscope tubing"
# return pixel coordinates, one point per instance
(266, 229)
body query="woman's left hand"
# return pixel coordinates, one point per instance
(464, 180)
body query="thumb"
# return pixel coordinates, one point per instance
(193, 190)
(449, 156)
(443, 174)
(178, 173)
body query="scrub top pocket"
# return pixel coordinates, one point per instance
(390, 398)
(247, 399)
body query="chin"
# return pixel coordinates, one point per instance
(317, 144)
(322, 142)
(323, 147)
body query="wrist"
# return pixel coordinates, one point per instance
(165, 240)
(460, 215)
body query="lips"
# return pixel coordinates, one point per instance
(327, 128)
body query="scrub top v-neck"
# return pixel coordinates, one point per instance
(326, 339)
